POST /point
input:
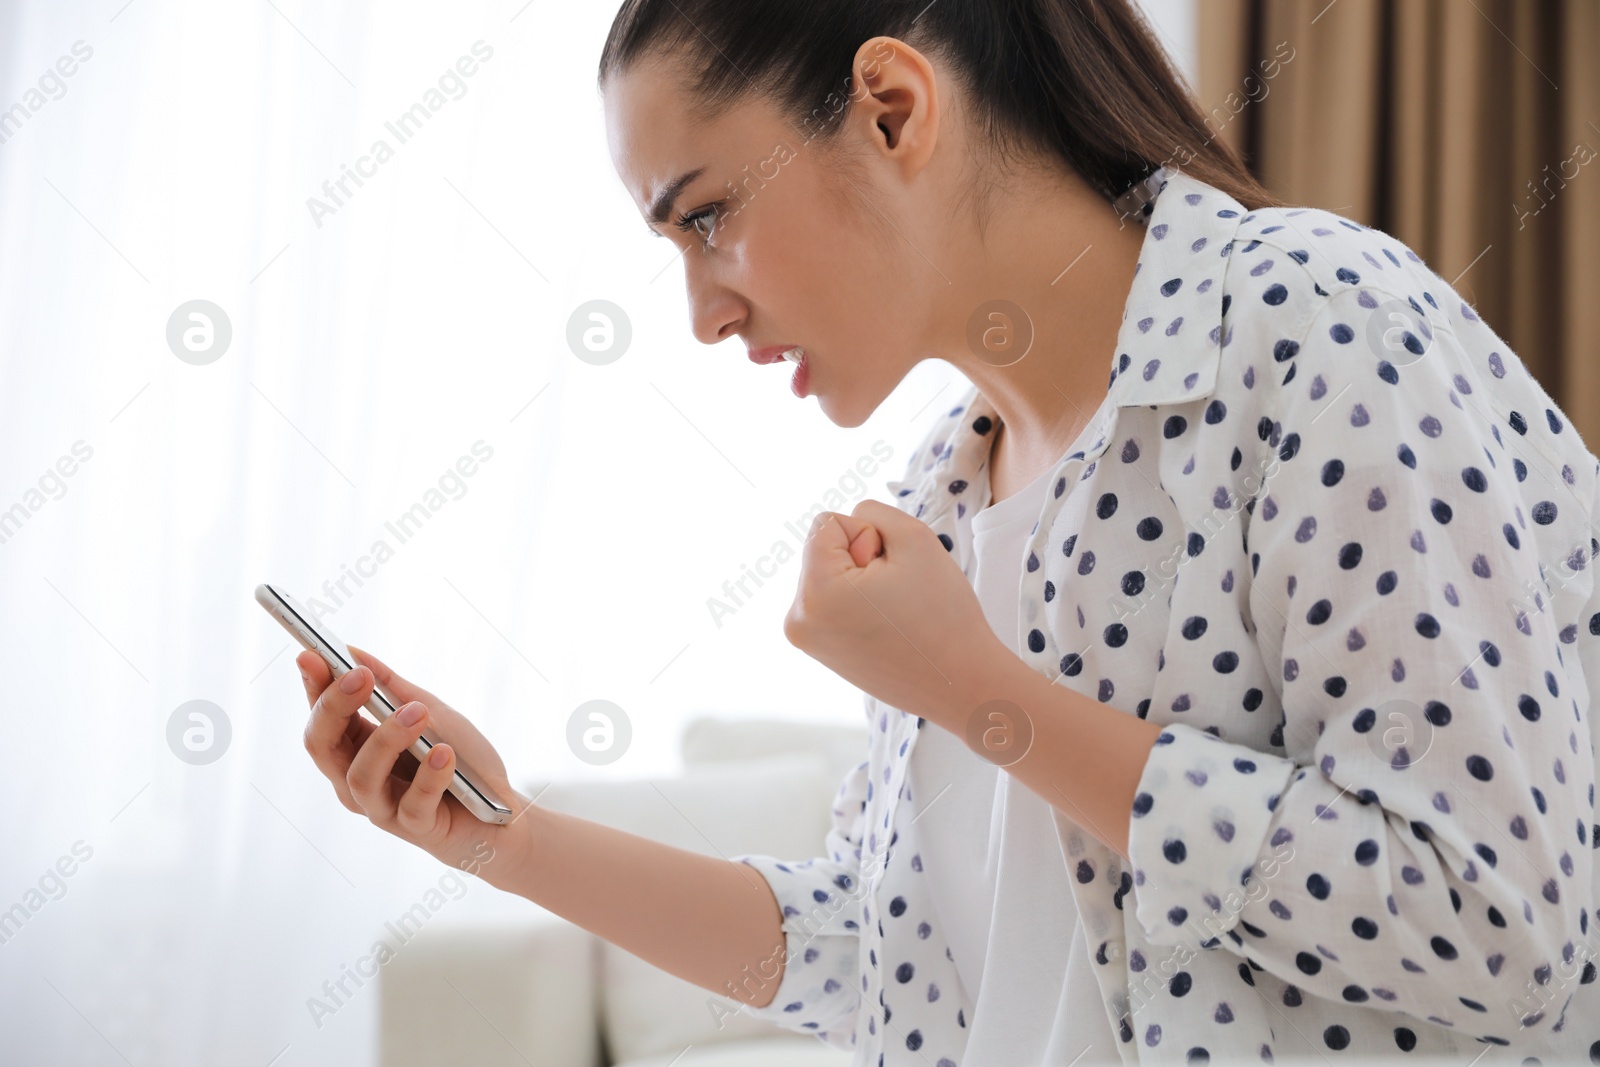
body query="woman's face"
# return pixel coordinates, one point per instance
(780, 250)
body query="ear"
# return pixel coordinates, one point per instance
(896, 96)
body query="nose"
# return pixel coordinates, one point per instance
(715, 312)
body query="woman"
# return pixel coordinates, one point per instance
(1275, 635)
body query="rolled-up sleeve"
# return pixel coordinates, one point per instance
(1424, 844)
(820, 899)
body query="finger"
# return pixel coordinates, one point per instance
(314, 674)
(866, 546)
(893, 525)
(836, 528)
(337, 763)
(418, 812)
(878, 513)
(369, 773)
(836, 538)
(337, 730)
(394, 683)
(335, 703)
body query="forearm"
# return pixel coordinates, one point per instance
(1084, 758)
(707, 920)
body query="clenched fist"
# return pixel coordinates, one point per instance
(885, 606)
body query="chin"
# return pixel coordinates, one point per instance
(848, 410)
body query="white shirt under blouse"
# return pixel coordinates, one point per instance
(994, 859)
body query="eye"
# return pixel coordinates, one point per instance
(692, 221)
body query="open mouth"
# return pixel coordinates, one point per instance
(802, 373)
(795, 354)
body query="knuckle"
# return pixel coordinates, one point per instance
(327, 706)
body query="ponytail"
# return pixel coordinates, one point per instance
(1084, 80)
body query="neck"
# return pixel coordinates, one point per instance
(1060, 253)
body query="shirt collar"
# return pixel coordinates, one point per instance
(1169, 299)
(1174, 294)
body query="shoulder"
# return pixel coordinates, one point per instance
(1354, 329)
(1313, 262)
(1287, 266)
(1311, 295)
(1333, 251)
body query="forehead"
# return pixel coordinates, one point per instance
(654, 139)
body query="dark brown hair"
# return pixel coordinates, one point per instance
(1084, 80)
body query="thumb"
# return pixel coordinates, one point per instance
(833, 532)
(894, 527)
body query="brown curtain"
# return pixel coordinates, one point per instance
(1468, 129)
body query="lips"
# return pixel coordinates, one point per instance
(775, 353)
(795, 354)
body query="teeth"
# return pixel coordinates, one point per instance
(794, 354)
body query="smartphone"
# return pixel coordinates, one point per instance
(466, 786)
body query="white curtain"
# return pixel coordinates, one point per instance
(416, 322)
(383, 342)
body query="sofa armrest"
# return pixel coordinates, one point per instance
(492, 994)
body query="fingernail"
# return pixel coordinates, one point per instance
(411, 714)
(350, 683)
(438, 757)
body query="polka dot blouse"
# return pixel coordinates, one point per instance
(1335, 539)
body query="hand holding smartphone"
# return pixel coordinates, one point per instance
(466, 786)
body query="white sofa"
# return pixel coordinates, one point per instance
(538, 991)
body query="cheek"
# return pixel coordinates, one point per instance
(820, 277)
(792, 253)
(816, 273)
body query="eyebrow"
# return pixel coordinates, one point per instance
(661, 206)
